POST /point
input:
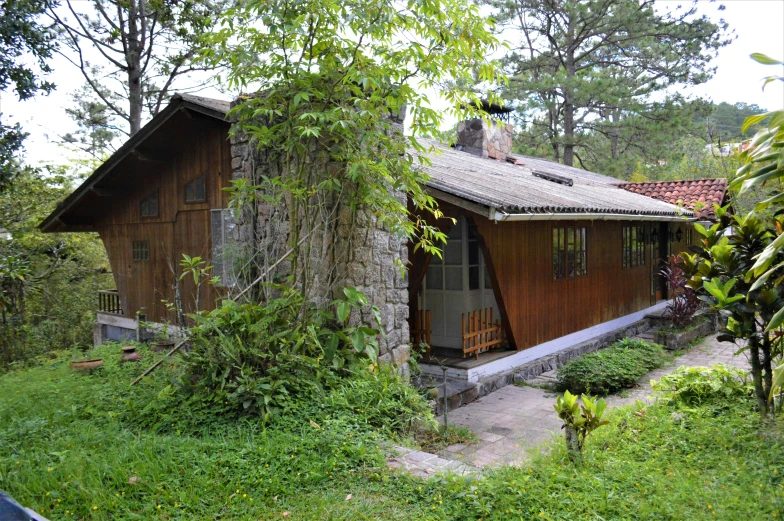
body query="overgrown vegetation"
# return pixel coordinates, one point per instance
(693, 386)
(48, 282)
(90, 447)
(611, 369)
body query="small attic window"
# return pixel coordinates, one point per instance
(553, 178)
(149, 205)
(196, 191)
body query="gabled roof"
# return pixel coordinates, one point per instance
(522, 190)
(210, 107)
(686, 193)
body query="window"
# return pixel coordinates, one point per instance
(633, 246)
(149, 206)
(222, 224)
(688, 235)
(570, 257)
(141, 251)
(196, 191)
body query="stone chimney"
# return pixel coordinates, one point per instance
(486, 139)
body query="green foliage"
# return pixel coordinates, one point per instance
(71, 442)
(256, 358)
(694, 386)
(611, 369)
(722, 272)
(22, 37)
(580, 419)
(123, 86)
(331, 78)
(588, 72)
(49, 281)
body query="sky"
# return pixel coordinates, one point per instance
(758, 25)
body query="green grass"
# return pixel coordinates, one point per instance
(69, 444)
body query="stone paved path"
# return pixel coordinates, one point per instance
(513, 420)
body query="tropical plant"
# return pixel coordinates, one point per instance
(694, 386)
(684, 302)
(722, 274)
(580, 419)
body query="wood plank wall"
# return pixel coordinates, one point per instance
(179, 228)
(535, 306)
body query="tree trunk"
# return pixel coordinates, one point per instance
(568, 148)
(133, 59)
(756, 374)
(573, 444)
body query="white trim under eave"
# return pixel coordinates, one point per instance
(508, 363)
(499, 216)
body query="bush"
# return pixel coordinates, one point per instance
(255, 358)
(700, 385)
(611, 369)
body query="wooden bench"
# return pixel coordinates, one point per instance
(480, 331)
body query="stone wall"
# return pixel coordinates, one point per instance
(351, 251)
(486, 139)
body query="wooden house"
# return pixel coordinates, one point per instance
(540, 256)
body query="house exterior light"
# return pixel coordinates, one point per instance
(679, 234)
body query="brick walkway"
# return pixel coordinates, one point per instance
(513, 420)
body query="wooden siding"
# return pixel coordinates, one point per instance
(535, 307)
(179, 228)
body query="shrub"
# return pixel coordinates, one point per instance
(580, 419)
(254, 358)
(699, 385)
(611, 369)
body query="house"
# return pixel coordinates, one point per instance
(540, 257)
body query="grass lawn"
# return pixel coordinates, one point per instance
(91, 447)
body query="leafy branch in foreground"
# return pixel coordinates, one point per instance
(334, 81)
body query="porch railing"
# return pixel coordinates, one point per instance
(109, 301)
(481, 331)
(420, 334)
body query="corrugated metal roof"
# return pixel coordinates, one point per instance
(513, 188)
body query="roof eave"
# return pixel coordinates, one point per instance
(177, 103)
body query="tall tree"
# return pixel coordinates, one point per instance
(22, 35)
(142, 48)
(584, 67)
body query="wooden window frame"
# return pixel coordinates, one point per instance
(632, 246)
(570, 252)
(155, 194)
(140, 251)
(189, 183)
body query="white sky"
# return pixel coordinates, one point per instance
(758, 24)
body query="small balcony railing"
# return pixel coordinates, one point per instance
(109, 301)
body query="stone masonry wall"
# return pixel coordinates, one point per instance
(478, 137)
(355, 253)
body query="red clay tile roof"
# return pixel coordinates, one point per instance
(686, 193)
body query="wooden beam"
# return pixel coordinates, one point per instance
(149, 156)
(76, 220)
(106, 192)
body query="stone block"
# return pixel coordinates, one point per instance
(401, 354)
(385, 359)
